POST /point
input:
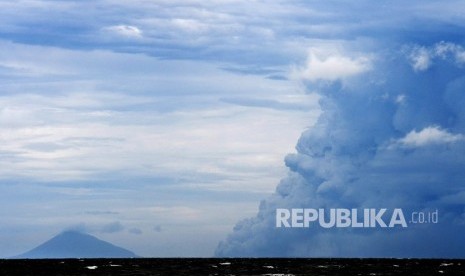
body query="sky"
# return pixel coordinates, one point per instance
(176, 128)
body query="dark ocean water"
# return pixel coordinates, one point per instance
(232, 266)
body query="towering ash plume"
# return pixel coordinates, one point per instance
(391, 135)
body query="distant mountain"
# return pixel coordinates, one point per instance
(73, 244)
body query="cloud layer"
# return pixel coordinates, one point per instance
(102, 129)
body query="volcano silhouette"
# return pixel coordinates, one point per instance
(73, 244)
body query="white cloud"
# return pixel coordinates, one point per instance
(420, 59)
(444, 49)
(159, 115)
(125, 31)
(189, 25)
(429, 135)
(331, 65)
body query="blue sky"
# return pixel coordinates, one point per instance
(158, 125)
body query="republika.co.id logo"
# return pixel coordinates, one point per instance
(340, 218)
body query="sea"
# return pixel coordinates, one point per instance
(232, 266)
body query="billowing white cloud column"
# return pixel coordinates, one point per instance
(390, 136)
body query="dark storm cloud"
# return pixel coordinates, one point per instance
(388, 137)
